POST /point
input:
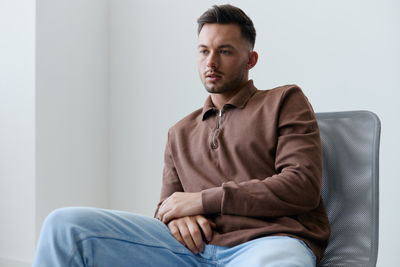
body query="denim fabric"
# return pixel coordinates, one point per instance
(98, 237)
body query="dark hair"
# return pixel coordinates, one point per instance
(228, 14)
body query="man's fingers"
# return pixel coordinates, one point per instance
(205, 226)
(175, 232)
(168, 216)
(162, 210)
(167, 211)
(195, 232)
(187, 237)
(180, 204)
(190, 230)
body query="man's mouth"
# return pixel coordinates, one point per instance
(213, 77)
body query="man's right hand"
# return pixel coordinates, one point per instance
(188, 231)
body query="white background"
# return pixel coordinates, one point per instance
(17, 130)
(89, 88)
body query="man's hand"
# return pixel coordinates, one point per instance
(189, 231)
(180, 204)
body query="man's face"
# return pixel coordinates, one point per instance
(223, 55)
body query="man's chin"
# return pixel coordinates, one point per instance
(212, 90)
(215, 89)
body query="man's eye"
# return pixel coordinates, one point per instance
(204, 52)
(225, 52)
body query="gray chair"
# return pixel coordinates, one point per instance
(350, 189)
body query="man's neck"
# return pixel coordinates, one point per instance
(219, 100)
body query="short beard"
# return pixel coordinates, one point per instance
(230, 85)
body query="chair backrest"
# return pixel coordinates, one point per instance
(350, 188)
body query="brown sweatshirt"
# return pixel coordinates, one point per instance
(257, 163)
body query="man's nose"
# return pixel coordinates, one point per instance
(212, 60)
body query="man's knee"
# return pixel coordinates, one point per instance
(63, 219)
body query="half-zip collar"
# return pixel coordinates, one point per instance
(239, 100)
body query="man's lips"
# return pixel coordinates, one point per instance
(213, 77)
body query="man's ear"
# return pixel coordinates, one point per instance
(253, 57)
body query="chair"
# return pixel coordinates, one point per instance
(350, 188)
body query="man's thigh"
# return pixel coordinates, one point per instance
(279, 251)
(97, 237)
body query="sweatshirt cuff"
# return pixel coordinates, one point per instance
(212, 199)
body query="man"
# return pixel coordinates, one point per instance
(241, 180)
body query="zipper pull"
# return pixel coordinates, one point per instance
(219, 118)
(214, 144)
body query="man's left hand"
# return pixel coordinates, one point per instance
(180, 204)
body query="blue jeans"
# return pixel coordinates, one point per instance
(98, 237)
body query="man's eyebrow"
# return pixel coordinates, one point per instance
(226, 46)
(221, 46)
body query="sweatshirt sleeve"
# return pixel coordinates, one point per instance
(170, 180)
(295, 188)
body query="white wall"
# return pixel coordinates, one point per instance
(153, 82)
(72, 105)
(53, 115)
(344, 54)
(17, 130)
